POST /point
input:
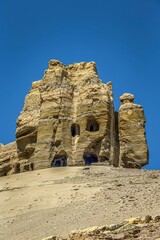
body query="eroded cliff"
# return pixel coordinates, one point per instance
(69, 119)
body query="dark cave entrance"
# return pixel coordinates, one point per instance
(75, 129)
(59, 161)
(90, 158)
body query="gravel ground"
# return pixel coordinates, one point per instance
(55, 201)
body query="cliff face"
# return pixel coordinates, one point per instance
(69, 119)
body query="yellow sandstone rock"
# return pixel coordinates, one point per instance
(69, 119)
(133, 146)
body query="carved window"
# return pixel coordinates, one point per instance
(92, 125)
(75, 129)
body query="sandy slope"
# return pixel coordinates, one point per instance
(56, 201)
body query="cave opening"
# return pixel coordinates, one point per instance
(59, 161)
(75, 129)
(90, 158)
(92, 125)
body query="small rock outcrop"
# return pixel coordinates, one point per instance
(9, 163)
(69, 119)
(133, 147)
(133, 228)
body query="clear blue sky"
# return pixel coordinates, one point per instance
(121, 36)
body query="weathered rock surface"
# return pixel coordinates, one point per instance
(69, 119)
(133, 228)
(133, 146)
(9, 159)
(67, 116)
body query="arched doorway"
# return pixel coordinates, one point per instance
(90, 158)
(59, 161)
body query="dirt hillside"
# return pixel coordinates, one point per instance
(55, 201)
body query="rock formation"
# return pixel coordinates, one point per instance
(133, 228)
(133, 147)
(69, 119)
(9, 163)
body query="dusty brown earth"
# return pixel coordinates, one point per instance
(55, 201)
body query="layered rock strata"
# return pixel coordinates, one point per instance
(9, 163)
(69, 119)
(132, 138)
